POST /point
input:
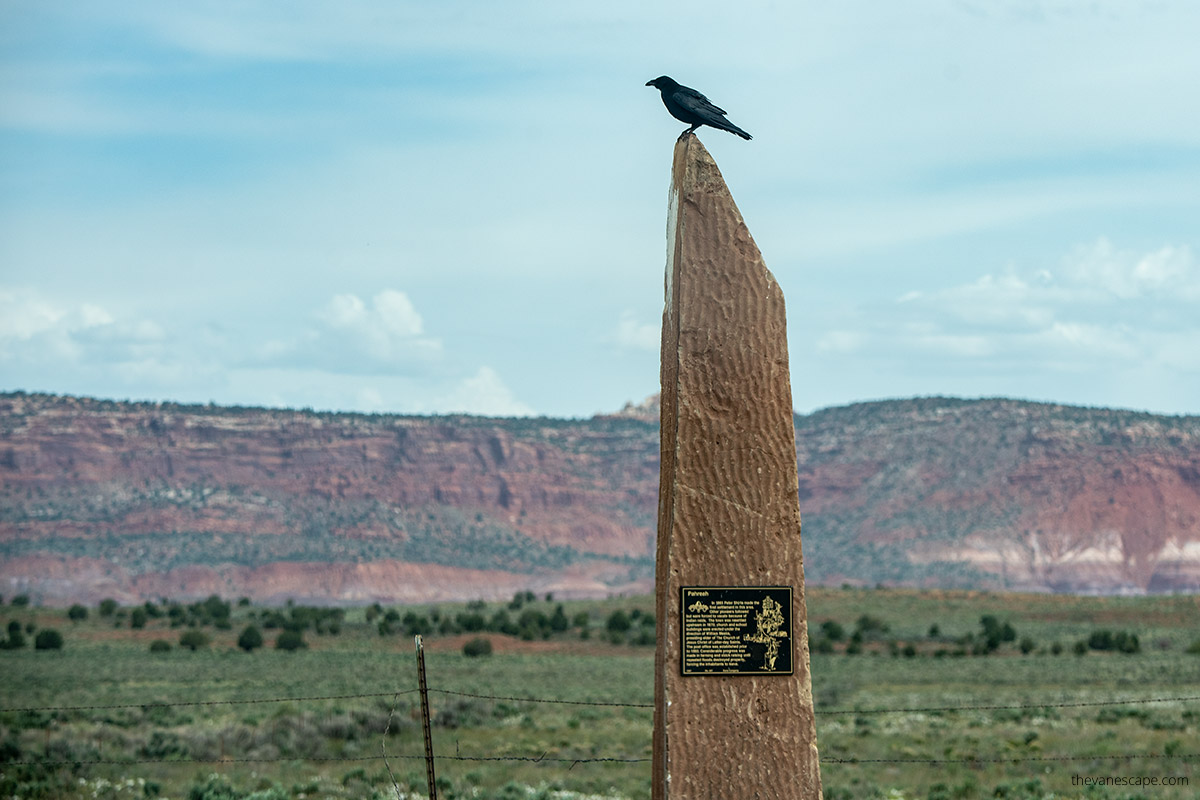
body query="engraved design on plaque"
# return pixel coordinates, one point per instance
(736, 630)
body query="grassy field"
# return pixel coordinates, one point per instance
(913, 701)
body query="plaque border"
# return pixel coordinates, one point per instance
(683, 670)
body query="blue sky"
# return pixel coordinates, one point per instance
(437, 207)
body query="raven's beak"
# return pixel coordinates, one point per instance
(649, 83)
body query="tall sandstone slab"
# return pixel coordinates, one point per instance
(729, 512)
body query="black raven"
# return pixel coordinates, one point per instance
(688, 105)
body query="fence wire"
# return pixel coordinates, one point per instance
(182, 703)
(574, 761)
(544, 757)
(606, 703)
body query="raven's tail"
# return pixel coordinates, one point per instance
(734, 129)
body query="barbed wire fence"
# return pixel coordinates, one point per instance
(604, 703)
(395, 695)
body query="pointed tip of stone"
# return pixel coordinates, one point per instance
(695, 175)
(694, 165)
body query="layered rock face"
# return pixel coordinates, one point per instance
(145, 500)
(1006, 494)
(105, 499)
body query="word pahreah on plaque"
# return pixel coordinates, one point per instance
(742, 630)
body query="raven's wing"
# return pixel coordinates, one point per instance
(696, 109)
(695, 102)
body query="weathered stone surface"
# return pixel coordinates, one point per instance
(729, 511)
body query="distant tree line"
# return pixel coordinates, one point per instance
(526, 618)
(993, 636)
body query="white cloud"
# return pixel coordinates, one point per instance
(1126, 274)
(35, 329)
(842, 341)
(637, 335)
(51, 344)
(484, 393)
(352, 336)
(390, 324)
(24, 314)
(1106, 308)
(92, 315)
(355, 355)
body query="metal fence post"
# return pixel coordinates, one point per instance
(429, 774)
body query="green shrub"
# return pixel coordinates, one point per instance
(477, 647)
(16, 637)
(214, 787)
(108, 607)
(250, 639)
(870, 626)
(77, 613)
(502, 623)
(463, 713)
(163, 745)
(290, 641)
(357, 774)
(160, 646)
(994, 634)
(471, 622)
(1127, 642)
(10, 749)
(193, 639)
(1121, 641)
(416, 625)
(48, 639)
(213, 609)
(833, 630)
(559, 621)
(617, 622)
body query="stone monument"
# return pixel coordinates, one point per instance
(733, 697)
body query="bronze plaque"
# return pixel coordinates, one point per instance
(743, 630)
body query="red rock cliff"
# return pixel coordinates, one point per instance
(142, 500)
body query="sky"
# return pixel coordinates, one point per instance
(414, 207)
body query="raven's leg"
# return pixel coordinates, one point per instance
(690, 130)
